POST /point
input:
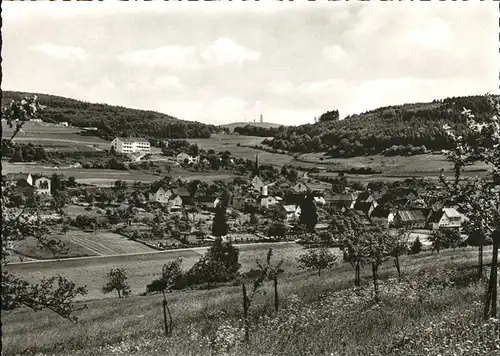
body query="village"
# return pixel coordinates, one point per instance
(262, 204)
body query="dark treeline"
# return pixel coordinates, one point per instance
(250, 130)
(114, 121)
(396, 130)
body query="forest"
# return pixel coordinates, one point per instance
(113, 121)
(407, 129)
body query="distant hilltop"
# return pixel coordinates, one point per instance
(233, 125)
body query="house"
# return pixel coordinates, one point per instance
(292, 211)
(184, 157)
(446, 218)
(409, 218)
(257, 183)
(64, 123)
(319, 201)
(18, 179)
(42, 185)
(160, 196)
(347, 200)
(207, 202)
(267, 200)
(365, 197)
(382, 216)
(175, 201)
(300, 187)
(130, 145)
(238, 202)
(366, 207)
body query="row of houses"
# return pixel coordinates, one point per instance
(27, 184)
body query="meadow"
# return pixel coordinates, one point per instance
(142, 267)
(434, 309)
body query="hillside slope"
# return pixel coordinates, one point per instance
(404, 129)
(113, 120)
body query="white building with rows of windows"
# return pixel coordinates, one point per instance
(130, 145)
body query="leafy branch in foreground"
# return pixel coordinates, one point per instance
(479, 199)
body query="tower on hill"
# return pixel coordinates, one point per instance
(261, 118)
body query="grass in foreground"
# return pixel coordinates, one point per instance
(434, 309)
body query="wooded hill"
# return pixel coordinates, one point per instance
(113, 121)
(405, 129)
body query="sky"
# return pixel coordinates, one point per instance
(221, 62)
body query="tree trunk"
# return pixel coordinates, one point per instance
(357, 280)
(319, 272)
(165, 317)
(245, 313)
(119, 293)
(491, 294)
(480, 260)
(171, 321)
(276, 298)
(398, 268)
(375, 282)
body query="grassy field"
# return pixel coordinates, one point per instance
(435, 309)
(141, 268)
(229, 142)
(52, 137)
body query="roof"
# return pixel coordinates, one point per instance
(363, 206)
(183, 192)
(132, 139)
(344, 197)
(16, 176)
(411, 215)
(452, 213)
(290, 208)
(206, 199)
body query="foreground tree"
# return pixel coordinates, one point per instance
(399, 247)
(479, 199)
(318, 259)
(19, 223)
(117, 281)
(170, 277)
(257, 278)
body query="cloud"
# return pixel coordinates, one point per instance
(220, 52)
(61, 52)
(181, 57)
(168, 82)
(334, 52)
(225, 51)
(433, 34)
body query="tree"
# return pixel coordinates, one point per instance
(117, 280)
(170, 277)
(399, 247)
(331, 115)
(443, 239)
(219, 226)
(416, 247)
(263, 272)
(55, 293)
(377, 248)
(318, 259)
(479, 199)
(308, 214)
(227, 254)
